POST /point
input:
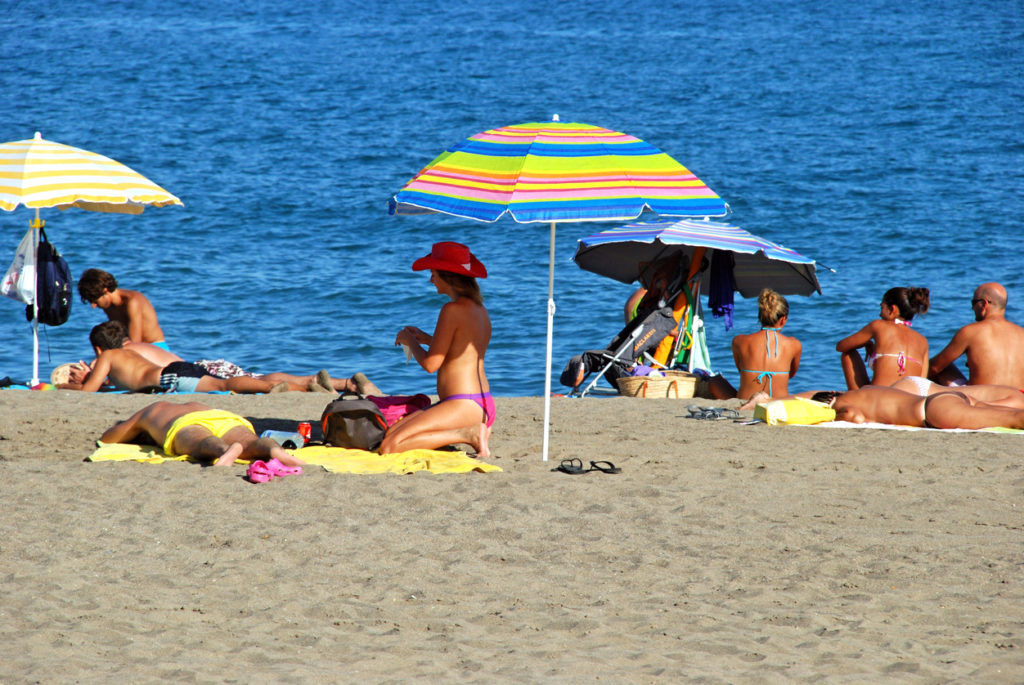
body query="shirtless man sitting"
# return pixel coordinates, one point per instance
(198, 431)
(99, 289)
(993, 345)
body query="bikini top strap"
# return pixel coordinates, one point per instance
(767, 330)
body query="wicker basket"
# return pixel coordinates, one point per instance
(675, 384)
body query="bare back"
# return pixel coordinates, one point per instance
(995, 353)
(994, 349)
(898, 351)
(463, 333)
(874, 403)
(156, 355)
(766, 361)
(151, 422)
(947, 409)
(136, 312)
(127, 370)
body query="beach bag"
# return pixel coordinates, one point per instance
(53, 285)
(19, 281)
(353, 423)
(395, 407)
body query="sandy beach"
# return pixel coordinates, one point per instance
(723, 553)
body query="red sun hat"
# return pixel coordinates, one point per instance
(453, 257)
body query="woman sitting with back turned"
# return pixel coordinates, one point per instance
(465, 409)
(892, 348)
(767, 359)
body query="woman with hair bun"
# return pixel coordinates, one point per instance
(767, 359)
(892, 349)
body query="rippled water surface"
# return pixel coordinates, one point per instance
(882, 139)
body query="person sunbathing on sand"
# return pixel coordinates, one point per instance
(465, 410)
(949, 409)
(893, 349)
(196, 430)
(111, 335)
(1002, 395)
(945, 409)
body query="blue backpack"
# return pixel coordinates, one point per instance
(53, 285)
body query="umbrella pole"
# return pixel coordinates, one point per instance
(551, 322)
(36, 225)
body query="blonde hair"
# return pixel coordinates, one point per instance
(771, 307)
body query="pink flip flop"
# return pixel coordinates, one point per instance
(258, 472)
(279, 470)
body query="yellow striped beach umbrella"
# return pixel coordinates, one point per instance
(39, 173)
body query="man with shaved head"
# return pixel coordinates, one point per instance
(993, 345)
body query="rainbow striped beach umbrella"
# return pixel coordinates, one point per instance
(554, 172)
(39, 173)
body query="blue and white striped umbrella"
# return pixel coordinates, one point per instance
(622, 253)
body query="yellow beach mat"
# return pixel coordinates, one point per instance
(341, 460)
(333, 459)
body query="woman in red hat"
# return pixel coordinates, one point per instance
(465, 410)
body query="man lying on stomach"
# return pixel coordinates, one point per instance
(134, 366)
(198, 431)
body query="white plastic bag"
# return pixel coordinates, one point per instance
(20, 281)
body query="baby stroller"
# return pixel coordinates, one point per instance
(656, 336)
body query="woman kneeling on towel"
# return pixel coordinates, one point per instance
(892, 349)
(464, 412)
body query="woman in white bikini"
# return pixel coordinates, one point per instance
(892, 349)
(465, 409)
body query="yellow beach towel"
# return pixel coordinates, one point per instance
(333, 459)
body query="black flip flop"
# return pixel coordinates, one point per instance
(604, 467)
(701, 413)
(573, 467)
(712, 413)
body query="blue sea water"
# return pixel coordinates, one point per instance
(882, 139)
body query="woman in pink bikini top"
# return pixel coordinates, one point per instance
(892, 349)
